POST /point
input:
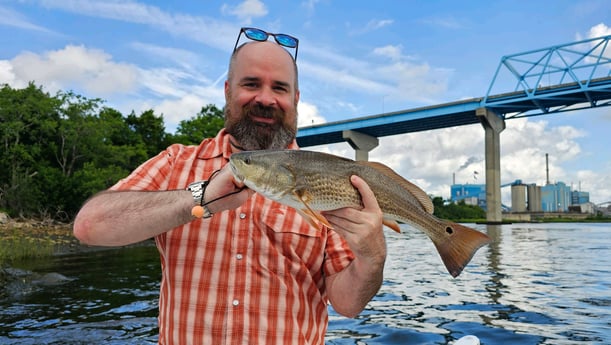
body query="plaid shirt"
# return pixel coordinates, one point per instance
(253, 275)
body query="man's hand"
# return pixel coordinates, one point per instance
(362, 229)
(222, 185)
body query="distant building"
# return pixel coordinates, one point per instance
(580, 198)
(471, 194)
(556, 197)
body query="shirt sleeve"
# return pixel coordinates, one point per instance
(152, 174)
(338, 254)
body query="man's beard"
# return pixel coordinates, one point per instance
(253, 135)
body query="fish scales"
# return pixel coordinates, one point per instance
(332, 189)
(313, 181)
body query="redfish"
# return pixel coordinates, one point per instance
(312, 182)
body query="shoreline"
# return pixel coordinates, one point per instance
(53, 234)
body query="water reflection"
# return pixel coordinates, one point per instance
(113, 300)
(530, 286)
(535, 284)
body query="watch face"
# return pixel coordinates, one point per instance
(196, 188)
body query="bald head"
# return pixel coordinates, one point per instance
(265, 51)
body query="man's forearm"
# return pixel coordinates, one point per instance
(351, 289)
(115, 218)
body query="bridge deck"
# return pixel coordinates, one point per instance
(405, 121)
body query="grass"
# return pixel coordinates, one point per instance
(23, 243)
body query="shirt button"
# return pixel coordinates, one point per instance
(239, 256)
(235, 302)
(242, 215)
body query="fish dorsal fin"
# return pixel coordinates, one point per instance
(424, 200)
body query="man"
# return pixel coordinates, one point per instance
(251, 271)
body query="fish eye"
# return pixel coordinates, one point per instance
(247, 160)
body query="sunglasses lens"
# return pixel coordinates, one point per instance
(256, 34)
(286, 40)
(262, 36)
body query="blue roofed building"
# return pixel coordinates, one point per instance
(556, 197)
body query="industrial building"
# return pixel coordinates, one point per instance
(529, 198)
(556, 197)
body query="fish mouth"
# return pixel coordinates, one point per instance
(236, 174)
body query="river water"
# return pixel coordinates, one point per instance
(536, 284)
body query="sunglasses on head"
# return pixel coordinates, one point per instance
(262, 36)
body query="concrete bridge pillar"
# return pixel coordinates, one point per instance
(493, 126)
(361, 143)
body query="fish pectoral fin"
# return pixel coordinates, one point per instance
(308, 213)
(313, 217)
(392, 224)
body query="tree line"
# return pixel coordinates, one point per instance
(58, 150)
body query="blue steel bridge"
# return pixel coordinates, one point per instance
(551, 80)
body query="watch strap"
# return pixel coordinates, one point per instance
(198, 189)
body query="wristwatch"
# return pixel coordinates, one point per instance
(198, 189)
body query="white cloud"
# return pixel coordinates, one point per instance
(9, 17)
(73, 67)
(246, 10)
(447, 22)
(403, 79)
(308, 115)
(7, 75)
(524, 145)
(349, 78)
(130, 11)
(166, 81)
(177, 93)
(389, 51)
(415, 82)
(310, 5)
(175, 110)
(181, 57)
(375, 24)
(593, 57)
(197, 28)
(595, 183)
(599, 31)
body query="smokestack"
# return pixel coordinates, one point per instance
(546, 169)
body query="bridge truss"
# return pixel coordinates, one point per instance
(559, 78)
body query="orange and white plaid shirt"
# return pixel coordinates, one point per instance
(253, 275)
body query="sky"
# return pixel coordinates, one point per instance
(355, 59)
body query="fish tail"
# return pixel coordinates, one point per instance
(458, 246)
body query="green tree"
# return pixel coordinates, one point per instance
(114, 150)
(77, 131)
(204, 124)
(457, 211)
(56, 151)
(151, 130)
(119, 144)
(28, 118)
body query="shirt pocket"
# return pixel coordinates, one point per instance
(293, 247)
(282, 219)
